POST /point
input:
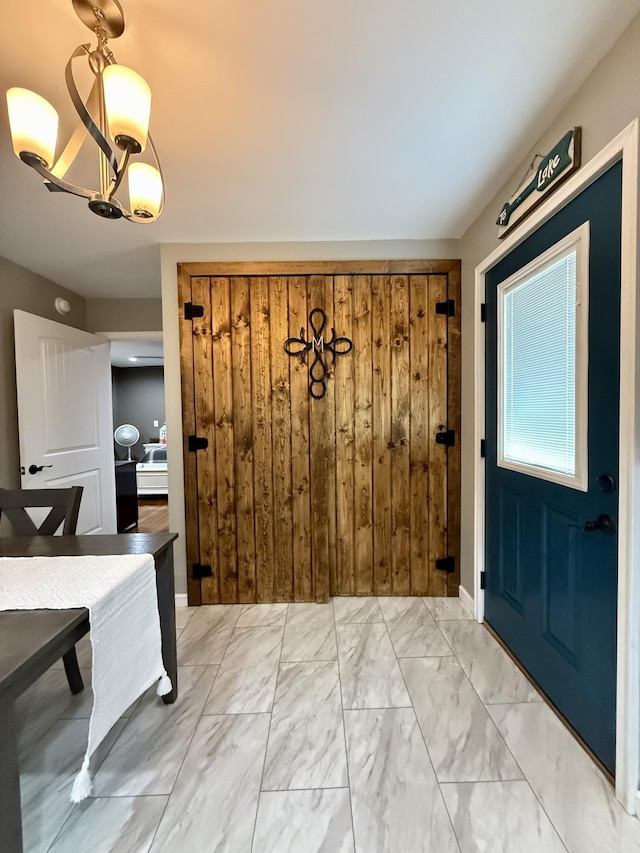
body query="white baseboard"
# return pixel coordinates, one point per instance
(638, 804)
(182, 599)
(467, 599)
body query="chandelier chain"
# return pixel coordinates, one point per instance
(100, 31)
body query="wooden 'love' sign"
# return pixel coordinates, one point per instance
(553, 169)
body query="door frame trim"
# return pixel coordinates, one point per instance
(623, 147)
(396, 266)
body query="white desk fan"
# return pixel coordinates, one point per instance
(126, 435)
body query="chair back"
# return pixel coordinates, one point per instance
(64, 503)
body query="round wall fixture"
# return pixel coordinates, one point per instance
(63, 306)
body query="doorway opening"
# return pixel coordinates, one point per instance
(137, 369)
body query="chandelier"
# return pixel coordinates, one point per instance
(116, 111)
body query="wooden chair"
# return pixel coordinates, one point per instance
(65, 505)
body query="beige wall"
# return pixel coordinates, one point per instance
(174, 253)
(604, 105)
(124, 315)
(20, 288)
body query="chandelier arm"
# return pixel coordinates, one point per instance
(117, 180)
(73, 146)
(85, 116)
(157, 159)
(52, 180)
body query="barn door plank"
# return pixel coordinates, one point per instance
(329, 423)
(400, 433)
(243, 437)
(205, 428)
(344, 400)
(262, 448)
(225, 452)
(420, 439)
(381, 417)
(363, 435)
(437, 422)
(322, 461)
(187, 370)
(281, 439)
(301, 492)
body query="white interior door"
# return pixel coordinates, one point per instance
(64, 415)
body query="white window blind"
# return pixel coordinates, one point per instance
(538, 370)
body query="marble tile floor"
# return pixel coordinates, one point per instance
(359, 726)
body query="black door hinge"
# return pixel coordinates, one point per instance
(191, 311)
(448, 308)
(446, 437)
(483, 312)
(483, 581)
(446, 564)
(483, 447)
(198, 571)
(197, 443)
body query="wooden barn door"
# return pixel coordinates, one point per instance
(291, 498)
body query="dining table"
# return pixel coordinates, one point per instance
(32, 640)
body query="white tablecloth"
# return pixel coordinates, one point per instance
(120, 594)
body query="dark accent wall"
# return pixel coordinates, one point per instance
(138, 399)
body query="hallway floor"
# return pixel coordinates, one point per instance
(392, 725)
(153, 515)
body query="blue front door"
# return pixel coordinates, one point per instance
(551, 549)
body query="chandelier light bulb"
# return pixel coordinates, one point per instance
(128, 105)
(34, 125)
(145, 190)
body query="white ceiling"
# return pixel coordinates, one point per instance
(290, 121)
(147, 353)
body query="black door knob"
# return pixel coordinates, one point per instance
(34, 469)
(606, 483)
(603, 523)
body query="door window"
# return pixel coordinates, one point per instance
(542, 365)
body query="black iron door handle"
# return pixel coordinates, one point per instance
(603, 522)
(34, 469)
